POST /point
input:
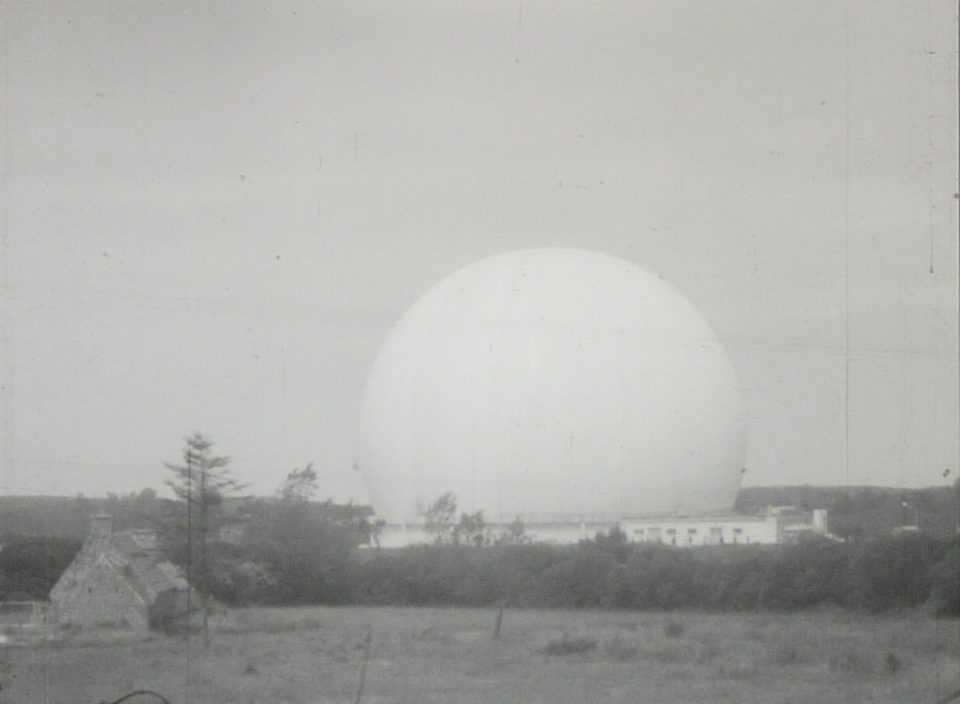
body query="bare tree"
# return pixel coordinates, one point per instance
(439, 523)
(471, 530)
(439, 519)
(514, 534)
(299, 485)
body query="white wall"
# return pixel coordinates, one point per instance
(691, 533)
(395, 535)
(725, 530)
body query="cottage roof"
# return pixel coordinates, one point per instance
(147, 568)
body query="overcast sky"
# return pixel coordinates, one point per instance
(213, 213)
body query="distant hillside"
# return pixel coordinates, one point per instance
(69, 516)
(853, 511)
(864, 511)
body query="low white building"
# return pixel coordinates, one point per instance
(691, 531)
(553, 529)
(777, 524)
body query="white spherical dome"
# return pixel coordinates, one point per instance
(552, 382)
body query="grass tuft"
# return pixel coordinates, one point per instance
(785, 653)
(426, 655)
(706, 653)
(619, 649)
(569, 646)
(851, 661)
(667, 653)
(673, 628)
(740, 671)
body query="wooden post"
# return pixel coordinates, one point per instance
(204, 567)
(363, 668)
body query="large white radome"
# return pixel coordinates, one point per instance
(549, 382)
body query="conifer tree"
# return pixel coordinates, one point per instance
(201, 483)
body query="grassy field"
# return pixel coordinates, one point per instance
(315, 655)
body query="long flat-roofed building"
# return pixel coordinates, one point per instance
(777, 524)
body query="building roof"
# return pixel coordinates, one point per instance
(147, 568)
(134, 556)
(699, 519)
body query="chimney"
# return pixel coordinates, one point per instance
(101, 527)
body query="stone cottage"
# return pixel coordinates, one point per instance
(121, 580)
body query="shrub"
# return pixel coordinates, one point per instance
(284, 563)
(580, 581)
(893, 572)
(892, 663)
(655, 577)
(805, 575)
(945, 583)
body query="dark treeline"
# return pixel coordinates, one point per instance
(865, 511)
(877, 575)
(293, 550)
(69, 516)
(289, 552)
(283, 564)
(31, 565)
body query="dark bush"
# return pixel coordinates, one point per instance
(303, 558)
(805, 575)
(893, 572)
(580, 581)
(945, 583)
(569, 646)
(30, 566)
